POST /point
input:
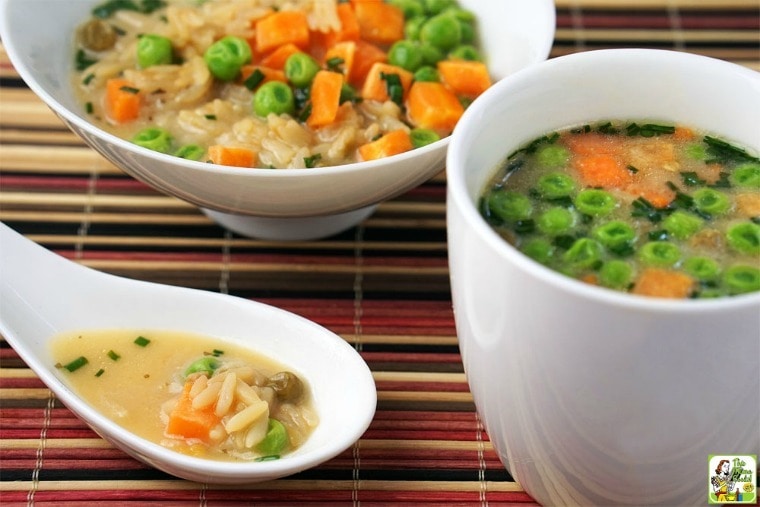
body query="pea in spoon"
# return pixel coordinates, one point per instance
(43, 294)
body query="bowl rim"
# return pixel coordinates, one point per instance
(459, 199)
(542, 52)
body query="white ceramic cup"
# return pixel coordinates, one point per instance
(593, 397)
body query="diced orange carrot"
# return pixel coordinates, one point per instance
(683, 133)
(349, 27)
(748, 204)
(658, 196)
(365, 57)
(325, 98)
(269, 73)
(379, 22)
(591, 143)
(231, 156)
(602, 170)
(345, 52)
(392, 143)
(376, 85)
(662, 283)
(431, 105)
(282, 27)
(277, 58)
(464, 77)
(188, 422)
(590, 278)
(122, 101)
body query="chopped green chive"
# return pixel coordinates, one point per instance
(130, 89)
(76, 364)
(217, 352)
(335, 64)
(394, 87)
(254, 80)
(210, 116)
(113, 355)
(89, 108)
(100, 372)
(312, 160)
(142, 341)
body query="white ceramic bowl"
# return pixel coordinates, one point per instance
(593, 397)
(37, 36)
(35, 283)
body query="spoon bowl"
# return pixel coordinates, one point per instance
(43, 294)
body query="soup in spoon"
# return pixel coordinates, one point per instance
(193, 394)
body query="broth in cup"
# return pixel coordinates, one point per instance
(594, 396)
(643, 208)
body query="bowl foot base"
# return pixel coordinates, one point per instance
(290, 228)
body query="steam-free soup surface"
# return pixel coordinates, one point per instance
(645, 208)
(276, 83)
(194, 394)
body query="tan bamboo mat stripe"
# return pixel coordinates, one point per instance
(383, 287)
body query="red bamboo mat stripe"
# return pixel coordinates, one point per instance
(382, 286)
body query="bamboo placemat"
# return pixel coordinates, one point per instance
(383, 286)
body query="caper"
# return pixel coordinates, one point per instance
(96, 35)
(286, 385)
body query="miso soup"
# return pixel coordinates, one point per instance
(643, 208)
(193, 394)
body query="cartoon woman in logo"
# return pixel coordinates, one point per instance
(723, 483)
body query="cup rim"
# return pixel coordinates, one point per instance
(458, 198)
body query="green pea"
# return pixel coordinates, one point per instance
(300, 69)
(702, 268)
(615, 234)
(205, 365)
(431, 55)
(585, 253)
(711, 201)
(442, 31)
(468, 32)
(413, 27)
(423, 137)
(466, 52)
(696, 152)
(227, 56)
(660, 254)
(438, 6)
(461, 14)
(153, 50)
(616, 274)
(427, 73)
(406, 54)
(742, 279)
(154, 138)
(682, 225)
(276, 439)
(595, 202)
(410, 8)
(274, 97)
(190, 152)
(552, 156)
(466, 23)
(744, 237)
(556, 221)
(510, 206)
(538, 249)
(746, 175)
(555, 185)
